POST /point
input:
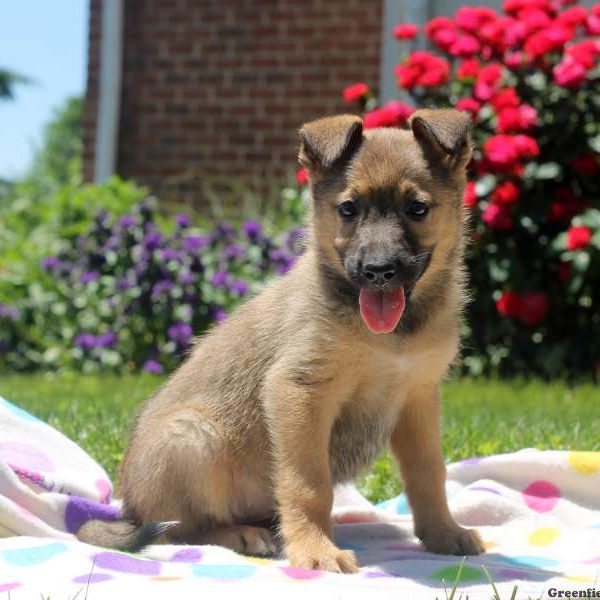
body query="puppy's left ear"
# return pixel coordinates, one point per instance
(443, 135)
(329, 142)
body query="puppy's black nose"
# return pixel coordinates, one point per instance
(379, 274)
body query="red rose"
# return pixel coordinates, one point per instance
(406, 31)
(592, 25)
(488, 81)
(526, 146)
(569, 73)
(468, 69)
(511, 119)
(506, 97)
(534, 18)
(470, 105)
(441, 31)
(586, 164)
(584, 52)
(470, 198)
(465, 45)
(550, 39)
(578, 238)
(393, 114)
(573, 17)
(506, 193)
(355, 92)
(301, 176)
(503, 151)
(436, 24)
(497, 217)
(514, 60)
(514, 6)
(509, 304)
(423, 69)
(534, 307)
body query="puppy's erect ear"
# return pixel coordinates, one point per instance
(443, 135)
(330, 141)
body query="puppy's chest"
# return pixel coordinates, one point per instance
(366, 421)
(357, 438)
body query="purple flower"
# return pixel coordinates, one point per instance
(239, 287)
(170, 254)
(253, 229)
(85, 340)
(218, 313)
(182, 221)
(152, 366)
(294, 239)
(89, 277)
(193, 243)
(49, 263)
(161, 287)
(277, 255)
(127, 221)
(224, 230)
(8, 312)
(106, 340)
(180, 333)
(233, 252)
(186, 278)
(112, 243)
(124, 283)
(220, 278)
(152, 240)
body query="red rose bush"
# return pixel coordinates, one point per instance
(530, 78)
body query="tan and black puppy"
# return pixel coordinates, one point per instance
(303, 386)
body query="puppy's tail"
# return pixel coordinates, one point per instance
(123, 535)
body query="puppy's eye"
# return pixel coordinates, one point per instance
(348, 209)
(417, 209)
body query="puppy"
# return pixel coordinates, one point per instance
(303, 385)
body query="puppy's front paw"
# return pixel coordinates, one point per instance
(451, 539)
(322, 557)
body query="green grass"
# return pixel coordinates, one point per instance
(480, 417)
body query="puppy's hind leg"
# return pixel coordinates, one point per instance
(182, 469)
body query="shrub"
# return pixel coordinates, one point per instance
(127, 290)
(530, 77)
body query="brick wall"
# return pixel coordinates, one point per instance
(221, 86)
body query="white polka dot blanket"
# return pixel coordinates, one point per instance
(538, 514)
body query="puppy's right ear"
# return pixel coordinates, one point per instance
(329, 142)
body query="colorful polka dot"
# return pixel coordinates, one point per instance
(6, 587)
(226, 572)
(27, 557)
(26, 456)
(541, 496)
(257, 560)
(187, 555)
(483, 488)
(536, 562)
(92, 578)
(123, 563)
(544, 536)
(586, 463)
(301, 574)
(581, 578)
(79, 510)
(104, 488)
(518, 574)
(459, 573)
(402, 507)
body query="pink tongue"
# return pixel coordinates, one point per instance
(381, 311)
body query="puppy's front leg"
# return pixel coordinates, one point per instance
(300, 419)
(416, 445)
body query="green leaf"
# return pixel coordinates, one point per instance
(550, 170)
(485, 185)
(581, 261)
